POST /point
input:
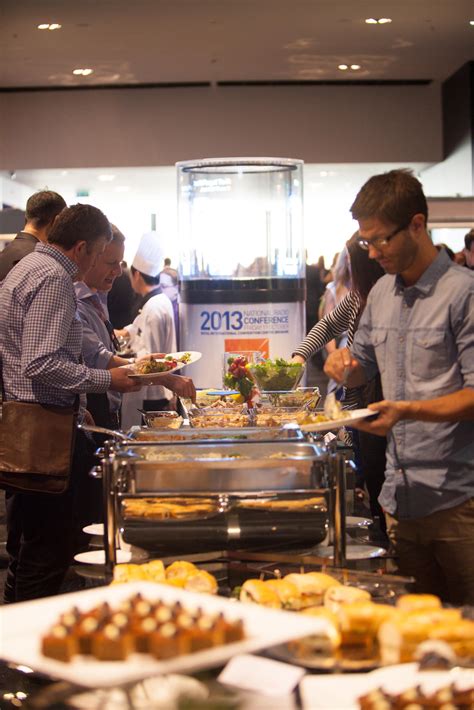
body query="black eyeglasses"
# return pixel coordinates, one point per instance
(380, 242)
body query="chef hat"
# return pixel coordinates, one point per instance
(149, 257)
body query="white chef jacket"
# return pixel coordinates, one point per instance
(152, 331)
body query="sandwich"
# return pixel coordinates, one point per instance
(417, 602)
(257, 592)
(287, 593)
(360, 621)
(325, 641)
(181, 569)
(400, 635)
(336, 596)
(201, 581)
(311, 586)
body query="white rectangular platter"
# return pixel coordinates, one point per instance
(23, 625)
(332, 692)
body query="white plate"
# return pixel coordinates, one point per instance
(24, 624)
(153, 377)
(94, 529)
(347, 418)
(97, 557)
(356, 522)
(328, 692)
(195, 356)
(355, 552)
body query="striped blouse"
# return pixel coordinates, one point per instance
(343, 318)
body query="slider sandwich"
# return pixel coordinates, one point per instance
(336, 597)
(257, 592)
(400, 635)
(288, 593)
(311, 587)
(359, 622)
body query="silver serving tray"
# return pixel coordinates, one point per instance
(187, 434)
(245, 466)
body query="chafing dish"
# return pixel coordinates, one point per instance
(191, 497)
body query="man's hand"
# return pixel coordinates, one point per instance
(121, 382)
(180, 385)
(389, 414)
(340, 364)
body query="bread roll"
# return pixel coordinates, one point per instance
(256, 591)
(335, 597)
(180, 569)
(416, 602)
(287, 593)
(399, 636)
(201, 581)
(311, 586)
(360, 621)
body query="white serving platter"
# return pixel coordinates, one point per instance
(152, 378)
(333, 693)
(22, 626)
(348, 418)
(194, 356)
(94, 529)
(97, 557)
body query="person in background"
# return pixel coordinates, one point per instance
(466, 256)
(41, 357)
(369, 450)
(153, 330)
(169, 282)
(42, 209)
(333, 295)
(99, 341)
(417, 331)
(121, 299)
(448, 251)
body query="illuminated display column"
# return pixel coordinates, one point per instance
(242, 260)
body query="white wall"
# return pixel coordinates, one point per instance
(139, 127)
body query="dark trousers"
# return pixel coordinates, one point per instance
(44, 530)
(372, 458)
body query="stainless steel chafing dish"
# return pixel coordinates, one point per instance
(212, 495)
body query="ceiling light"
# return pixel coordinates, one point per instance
(106, 178)
(82, 72)
(378, 21)
(355, 67)
(343, 67)
(49, 26)
(471, 22)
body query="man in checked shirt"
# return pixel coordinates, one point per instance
(418, 332)
(40, 352)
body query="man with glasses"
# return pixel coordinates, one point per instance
(418, 332)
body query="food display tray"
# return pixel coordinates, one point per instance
(210, 467)
(24, 624)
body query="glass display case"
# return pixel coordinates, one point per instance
(242, 259)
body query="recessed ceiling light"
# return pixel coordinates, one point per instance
(355, 67)
(343, 67)
(49, 26)
(471, 22)
(82, 72)
(106, 177)
(378, 21)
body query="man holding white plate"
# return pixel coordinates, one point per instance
(418, 332)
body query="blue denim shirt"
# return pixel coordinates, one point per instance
(421, 340)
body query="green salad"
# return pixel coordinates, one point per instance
(278, 374)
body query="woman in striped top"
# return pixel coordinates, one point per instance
(345, 317)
